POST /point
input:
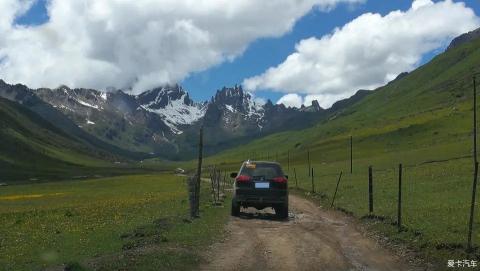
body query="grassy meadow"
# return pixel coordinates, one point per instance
(424, 121)
(137, 221)
(435, 149)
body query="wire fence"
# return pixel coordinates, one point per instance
(430, 200)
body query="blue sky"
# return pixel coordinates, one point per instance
(264, 53)
(268, 52)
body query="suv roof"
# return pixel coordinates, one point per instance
(262, 162)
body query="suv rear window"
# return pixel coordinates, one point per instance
(261, 170)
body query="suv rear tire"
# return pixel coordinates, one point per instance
(235, 208)
(282, 211)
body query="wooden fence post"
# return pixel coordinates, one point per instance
(199, 173)
(475, 162)
(213, 171)
(370, 190)
(218, 184)
(351, 154)
(192, 186)
(224, 181)
(313, 182)
(288, 160)
(296, 181)
(336, 189)
(399, 211)
(308, 162)
(472, 207)
(474, 122)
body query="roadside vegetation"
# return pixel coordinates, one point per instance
(140, 222)
(422, 120)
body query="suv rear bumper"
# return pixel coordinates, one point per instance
(242, 199)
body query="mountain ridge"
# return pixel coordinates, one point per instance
(153, 122)
(164, 121)
(416, 111)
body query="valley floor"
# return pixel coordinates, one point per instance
(137, 222)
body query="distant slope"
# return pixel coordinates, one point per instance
(24, 96)
(33, 148)
(160, 122)
(234, 118)
(423, 120)
(429, 107)
(116, 118)
(464, 38)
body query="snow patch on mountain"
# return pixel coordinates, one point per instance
(177, 113)
(254, 109)
(87, 104)
(230, 108)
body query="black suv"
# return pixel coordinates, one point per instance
(260, 184)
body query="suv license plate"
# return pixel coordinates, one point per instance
(262, 185)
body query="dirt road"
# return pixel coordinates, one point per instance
(312, 239)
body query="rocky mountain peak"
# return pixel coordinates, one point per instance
(154, 119)
(233, 96)
(269, 103)
(464, 38)
(160, 97)
(236, 100)
(173, 104)
(316, 106)
(62, 87)
(18, 93)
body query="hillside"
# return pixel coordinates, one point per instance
(422, 120)
(234, 118)
(159, 122)
(33, 149)
(429, 107)
(424, 109)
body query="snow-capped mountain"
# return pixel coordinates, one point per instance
(233, 117)
(114, 117)
(166, 120)
(234, 106)
(77, 101)
(62, 122)
(174, 106)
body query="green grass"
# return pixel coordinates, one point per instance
(97, 220)
(33, 148)
(425, 116)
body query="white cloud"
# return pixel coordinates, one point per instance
(138, 44)
(420, 3)
(296, 100)
(325, 100)
(259, 100)
(9, 9)
(291, 100)
(367, 52)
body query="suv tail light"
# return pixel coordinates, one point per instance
(280, 179)
(243, 178)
